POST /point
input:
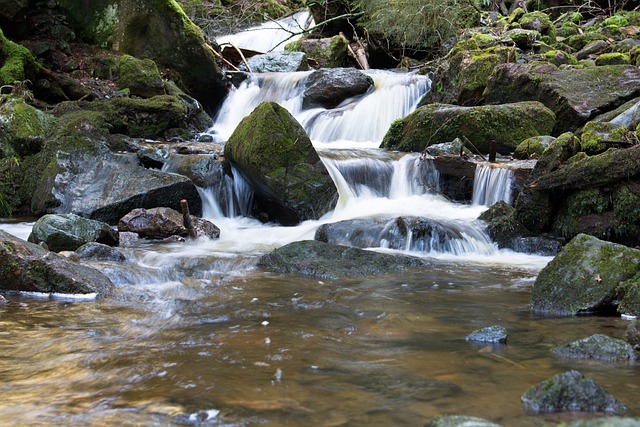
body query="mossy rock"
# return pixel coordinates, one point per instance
(595, 132)
(68, 232)
(328, 52)
(506, 124)
(24, 128)
(559, 57)
(613, 58)
(532, 147)
(140, 76)
(17, 64)
(502, 226)
(540, 22)
(615, 21)
(630, 301)
(524, 39)
(273, 152)
(583, 277)
(579, 41)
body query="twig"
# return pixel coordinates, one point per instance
(223, 60)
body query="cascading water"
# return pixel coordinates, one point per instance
(492, 184)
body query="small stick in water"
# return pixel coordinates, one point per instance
(186, 219)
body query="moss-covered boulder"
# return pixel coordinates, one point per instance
(140, 76)
(328, 261)
(595, 134)
(68, 232)
(560, 57)
(506, 124)
(584, 277)
(28, 267)
(155, 29)
(17, 64)
(574, 95)
(274, 154)
(24, 128)
(533, 147)
(570, 392)
(613, 58)
(541, 22)
(327, 52)
(630, 301)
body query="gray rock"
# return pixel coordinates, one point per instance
(277, 62)
(491, 334)
(583, 277)
(570, 392)
(605, 422)
(161, 223)
(459, 421)
(67, 232)
(324, 260)
(599, 347)
(329, 87)
(28, 267)
(98, 252)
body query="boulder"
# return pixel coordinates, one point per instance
(68, 232)
(583, 277)
(24, 128)
(570, 392)
(507, 125)
(275, 156)
(140, 76)
(630, 301)
(456, 174)
(159, 30)
(160, 223)
(94, 251)
(329, 87)
(598, 347)
(324, 260)
(18, 64)
(327, 52)
(490, 334)
(459, 421)
(277, 62)
(28, 267)
(575, 95)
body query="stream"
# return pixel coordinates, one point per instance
(198, 336)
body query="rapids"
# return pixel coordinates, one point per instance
(197, 336)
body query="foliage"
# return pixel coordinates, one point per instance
(426, 25)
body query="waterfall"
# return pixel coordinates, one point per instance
(395, 96)
(492, 183)
(270, 36)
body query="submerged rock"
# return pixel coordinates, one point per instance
(492, 334)
(271, 150)
(67, 232)
(94, 251)
(313, 258)
(459, 421)
(583, 277)
(570, 392)
(598, 346)
(28, 267)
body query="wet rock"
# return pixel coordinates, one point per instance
(272, 152)
(630, 299)
(570, 392)
(28, 267)
(605, 422)
(67, 232)
(507, 124)
(329, 87)
(574, 95)
(459, 421)
(532, 147)
(324, 260)
(583, 277)
(327, 52)
(161, 223)
(599, 347)
(205, 170)
(23, 128)
(456, 176)
(98, 252)
(491, 334)
(277, 62)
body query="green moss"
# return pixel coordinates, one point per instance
(541, 22)
(25, 127)
(615, 21)
(613, 58)
(140, 76)
(579, 41)
(594, 132)
(558, 57)
(18, 64)
(626, 219)
(578, 205)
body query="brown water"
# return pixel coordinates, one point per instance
(261, 349)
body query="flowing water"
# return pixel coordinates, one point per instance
(198, 336)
